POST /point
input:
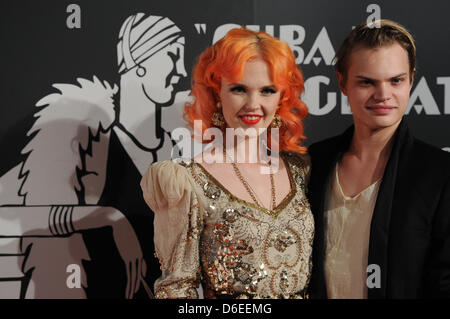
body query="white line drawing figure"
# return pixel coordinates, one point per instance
(75, 199)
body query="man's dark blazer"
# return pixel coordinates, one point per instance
(410, 228)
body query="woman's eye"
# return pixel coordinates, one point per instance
(238, 89)
(268, 91)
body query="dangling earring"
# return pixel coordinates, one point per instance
(276, 122)
(217, 118)
(140, 71)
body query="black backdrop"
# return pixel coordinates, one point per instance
(38, 49)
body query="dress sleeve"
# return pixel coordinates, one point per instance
(177, 202)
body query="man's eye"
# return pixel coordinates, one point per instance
(238, 89)
(397, 80)
(365, 82)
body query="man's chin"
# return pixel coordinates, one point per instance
(382, 123)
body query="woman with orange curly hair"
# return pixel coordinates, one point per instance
(241, 232)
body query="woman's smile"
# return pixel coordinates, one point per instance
(250, 119)
(253, 100)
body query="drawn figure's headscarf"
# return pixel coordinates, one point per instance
(141, 37)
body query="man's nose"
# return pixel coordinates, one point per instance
(382, 92)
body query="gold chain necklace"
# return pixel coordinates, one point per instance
(248, 188)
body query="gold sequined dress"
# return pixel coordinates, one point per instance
(203, 233)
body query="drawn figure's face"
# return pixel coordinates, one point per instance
(252, 101)
(163, 71)
(378, 85)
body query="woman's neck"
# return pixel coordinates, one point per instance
(245, 151)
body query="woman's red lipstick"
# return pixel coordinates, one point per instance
(245, 118)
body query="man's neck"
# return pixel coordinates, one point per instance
(369, 144)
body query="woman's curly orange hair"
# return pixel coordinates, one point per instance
(226, 60)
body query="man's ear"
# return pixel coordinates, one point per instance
(341, 82)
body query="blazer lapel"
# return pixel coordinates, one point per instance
(379, 228)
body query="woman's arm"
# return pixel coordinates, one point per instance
(177, 203)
